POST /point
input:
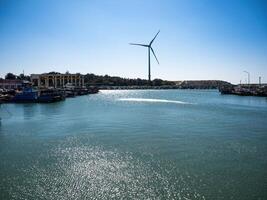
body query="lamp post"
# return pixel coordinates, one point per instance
(248, 76)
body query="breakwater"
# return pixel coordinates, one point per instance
(190, 84)
(245, 90)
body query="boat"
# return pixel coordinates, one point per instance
(50, 95)
(93, 90)
(4, 98)
(70, 90)
(27, 95)
(70, 93)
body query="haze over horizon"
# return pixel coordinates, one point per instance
(199, 40)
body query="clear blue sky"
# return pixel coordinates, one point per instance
(199, 39)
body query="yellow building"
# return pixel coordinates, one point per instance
(57, 80)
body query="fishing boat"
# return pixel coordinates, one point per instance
(27, 95)
(70, 93)
(70, 90)
(5, 98)
(50, 95)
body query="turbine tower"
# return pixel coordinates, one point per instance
(149, 47)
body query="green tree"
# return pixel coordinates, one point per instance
(24, 77)
(10, 76)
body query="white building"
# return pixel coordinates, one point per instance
(57, 80)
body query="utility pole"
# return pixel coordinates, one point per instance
(260, 80)
(248, 77)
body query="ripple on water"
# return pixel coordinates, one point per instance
(91, 172)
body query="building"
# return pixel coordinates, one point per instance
(57, 80)
(10, 84)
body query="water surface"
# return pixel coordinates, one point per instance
(136, 144)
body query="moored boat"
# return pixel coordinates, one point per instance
(27, 95)
(5, 98)
(50, 95)
(70, 93)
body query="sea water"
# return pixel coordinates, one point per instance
(136, 144)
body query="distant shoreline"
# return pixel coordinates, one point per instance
(204, 84)
(150, 88)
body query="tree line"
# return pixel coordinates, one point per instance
(99, 80)
(11, 76)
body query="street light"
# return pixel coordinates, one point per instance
(248, 76)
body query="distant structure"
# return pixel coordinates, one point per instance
(248, 76)
(57, 80)
(10, 84)
(149, 49)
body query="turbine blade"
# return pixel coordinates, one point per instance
(154, 54)
(143, 45)
(154, 38)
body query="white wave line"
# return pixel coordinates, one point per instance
(153, 100)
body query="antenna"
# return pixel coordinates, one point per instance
(149, 49)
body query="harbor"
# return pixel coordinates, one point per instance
(50, 95)
(44, 88)
(53, 87)
(134, 100)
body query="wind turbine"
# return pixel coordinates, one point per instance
(149, 49)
